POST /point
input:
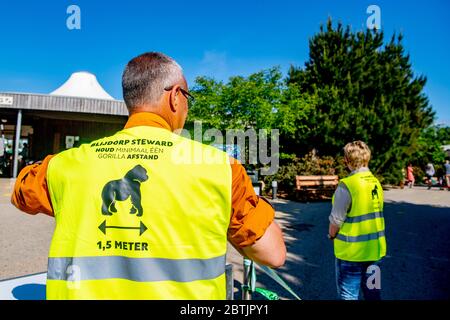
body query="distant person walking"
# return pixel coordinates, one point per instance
(410, 175)
(447, 174)
(357, 227)
(429, 172)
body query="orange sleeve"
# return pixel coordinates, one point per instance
(250, 214)
(30, 192)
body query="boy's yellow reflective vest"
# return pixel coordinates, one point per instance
(140, 215)
(362, 235)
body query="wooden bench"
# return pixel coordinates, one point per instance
(315, 187)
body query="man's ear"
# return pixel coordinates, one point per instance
(174, 95)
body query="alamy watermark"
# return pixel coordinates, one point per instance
(255, 147)
(374, 280)
(374, 20)
(73, 273)
(73, 21)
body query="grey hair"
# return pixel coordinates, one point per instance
(146, 76)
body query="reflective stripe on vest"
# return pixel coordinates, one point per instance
(142, 214)
(136, 269)
(362, 236)
(365, 217)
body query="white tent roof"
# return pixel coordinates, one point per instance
(82, 84)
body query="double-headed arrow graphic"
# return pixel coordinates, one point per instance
(141, 227)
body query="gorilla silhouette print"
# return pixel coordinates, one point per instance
(121, 190)
(375, 192)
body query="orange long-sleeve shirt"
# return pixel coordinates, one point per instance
(250, 216)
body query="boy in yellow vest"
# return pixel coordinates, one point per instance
(357, 227)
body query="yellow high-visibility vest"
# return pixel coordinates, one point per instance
(142, 214)
(362, 235)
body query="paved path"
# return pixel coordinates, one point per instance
(417, 228)
(24, 240)
(418, 235)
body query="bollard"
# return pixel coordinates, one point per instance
(274, 189)
(246, 287)
(229, 281)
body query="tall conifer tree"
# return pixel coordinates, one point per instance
(365, 90)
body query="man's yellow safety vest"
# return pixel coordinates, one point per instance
(140, 215)
(362, 236)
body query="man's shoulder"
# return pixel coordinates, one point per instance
(72, 153)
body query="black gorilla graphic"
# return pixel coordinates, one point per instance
(375, 192)
(121, 190)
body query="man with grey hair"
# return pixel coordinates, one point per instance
(131, 222)
(164, 74)
(155, 68)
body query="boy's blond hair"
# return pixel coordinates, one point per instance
(357, 154)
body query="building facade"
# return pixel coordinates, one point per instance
(35, 125)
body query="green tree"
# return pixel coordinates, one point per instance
(259, 101)
(429, 146)
(366, 90)
(443, 134)
(262, 100)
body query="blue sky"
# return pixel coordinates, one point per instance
(213, 38)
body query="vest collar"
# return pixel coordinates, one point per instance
(362, 169)
(146, 119)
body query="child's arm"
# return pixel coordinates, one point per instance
(341, 205)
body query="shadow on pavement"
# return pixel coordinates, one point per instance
(416, 265)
